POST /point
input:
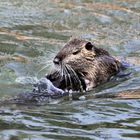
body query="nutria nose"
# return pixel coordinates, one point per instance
(56, 61)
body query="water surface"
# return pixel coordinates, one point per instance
(32, 32)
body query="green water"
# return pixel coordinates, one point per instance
(32, 32)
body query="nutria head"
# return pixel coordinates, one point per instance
(79, 60)
(78, 54)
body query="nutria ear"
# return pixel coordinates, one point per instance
(89, 46)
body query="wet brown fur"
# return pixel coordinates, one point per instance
(91, 64)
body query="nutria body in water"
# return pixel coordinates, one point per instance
(82, 66)
(79, 66)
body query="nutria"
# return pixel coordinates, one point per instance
(79, 66)
(82, 66)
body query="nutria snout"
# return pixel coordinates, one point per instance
(56, 61)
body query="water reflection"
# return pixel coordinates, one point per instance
(30, 35)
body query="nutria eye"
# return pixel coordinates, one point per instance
(89, 46)
(76, 52)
